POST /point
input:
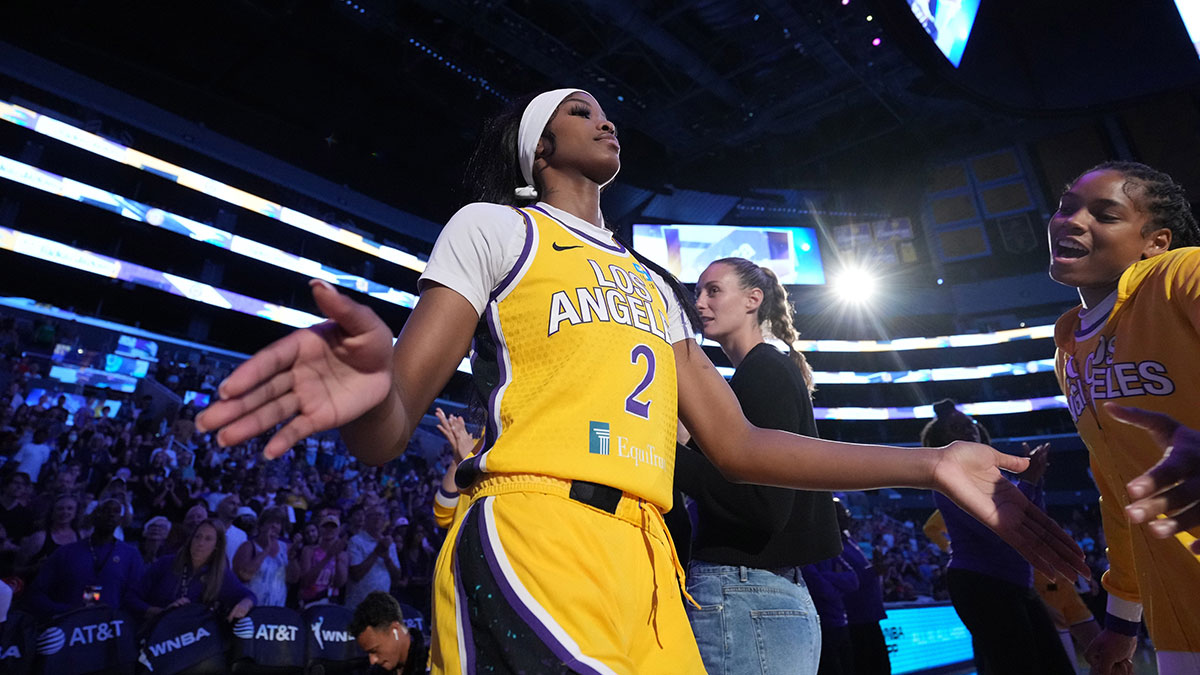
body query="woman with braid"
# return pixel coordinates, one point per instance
(1124, 236)
(749, 537)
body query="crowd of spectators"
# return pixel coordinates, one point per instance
(138, 510)
(913, 567)
(194, 522)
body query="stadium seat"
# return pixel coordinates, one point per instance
(96, 639)
(269, 640)
(331, 648)
(18, 640)
(186, 640)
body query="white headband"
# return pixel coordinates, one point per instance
(533, 123)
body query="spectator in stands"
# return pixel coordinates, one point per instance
(15, 515)
(828, 581)
(101, 561)
(417, 557)
(183, 531)
(170, 499)
(183, 427)
(227, 513)
(154, 537)
(7, 563)
(197, 573)
(33, 454)
(58, 530)
(391, 647)
(324, 566)
(262, 562)
(310, 535)
(116, 489)
(864, 606)
(247, 518)
(374, 565)
(991, 585)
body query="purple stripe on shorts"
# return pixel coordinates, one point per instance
(510, 594)
(464, 617)
(516, 268)
(447, 495)
(615, 246)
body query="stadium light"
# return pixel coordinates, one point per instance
(855, 285)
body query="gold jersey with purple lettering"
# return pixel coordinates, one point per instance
(1144, 353)
(587, 373)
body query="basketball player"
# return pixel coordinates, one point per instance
(1122, 236)
(562, 562)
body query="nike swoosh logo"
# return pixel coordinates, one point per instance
(556, 247)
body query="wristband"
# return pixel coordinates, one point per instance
(1121, 626)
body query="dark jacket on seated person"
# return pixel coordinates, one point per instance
(161, 585)
(113, 566)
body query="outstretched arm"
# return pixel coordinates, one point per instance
(968, 473)
(344, 373)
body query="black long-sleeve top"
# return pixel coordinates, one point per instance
(752, 525)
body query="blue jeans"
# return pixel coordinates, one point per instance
(753, 621)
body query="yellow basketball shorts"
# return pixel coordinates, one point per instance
(531, 580)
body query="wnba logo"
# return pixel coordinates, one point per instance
(598, 438)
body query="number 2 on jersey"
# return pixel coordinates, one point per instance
(632, 405)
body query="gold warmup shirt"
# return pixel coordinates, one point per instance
(1145, 353)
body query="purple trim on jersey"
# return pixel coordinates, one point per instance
(1084, 331)
(516, 268)
(493, 421)
(514, 600)
(447, 495)
(467, 649)
(615, 246)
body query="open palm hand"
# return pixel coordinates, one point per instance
(969, 474)
(319, 378)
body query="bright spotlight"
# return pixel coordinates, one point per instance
(855, 285)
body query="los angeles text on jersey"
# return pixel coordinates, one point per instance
(1103, 377)
(619, 296)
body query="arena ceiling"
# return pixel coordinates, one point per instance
(386, 96)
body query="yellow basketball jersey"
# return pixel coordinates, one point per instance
(587, 374)
(1143, 355)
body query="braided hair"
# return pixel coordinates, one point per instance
(1160, 196)
(775, 311)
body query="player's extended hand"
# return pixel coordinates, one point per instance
(969, 474)
(319, 377)
(455, 431)
(1170, 488)
(1039, 459)
(1111, 653)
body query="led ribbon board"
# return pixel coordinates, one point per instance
(94, 263)
(86, 194)
(71, 135)
(910, 343)
(905, 344)
(926, 411)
